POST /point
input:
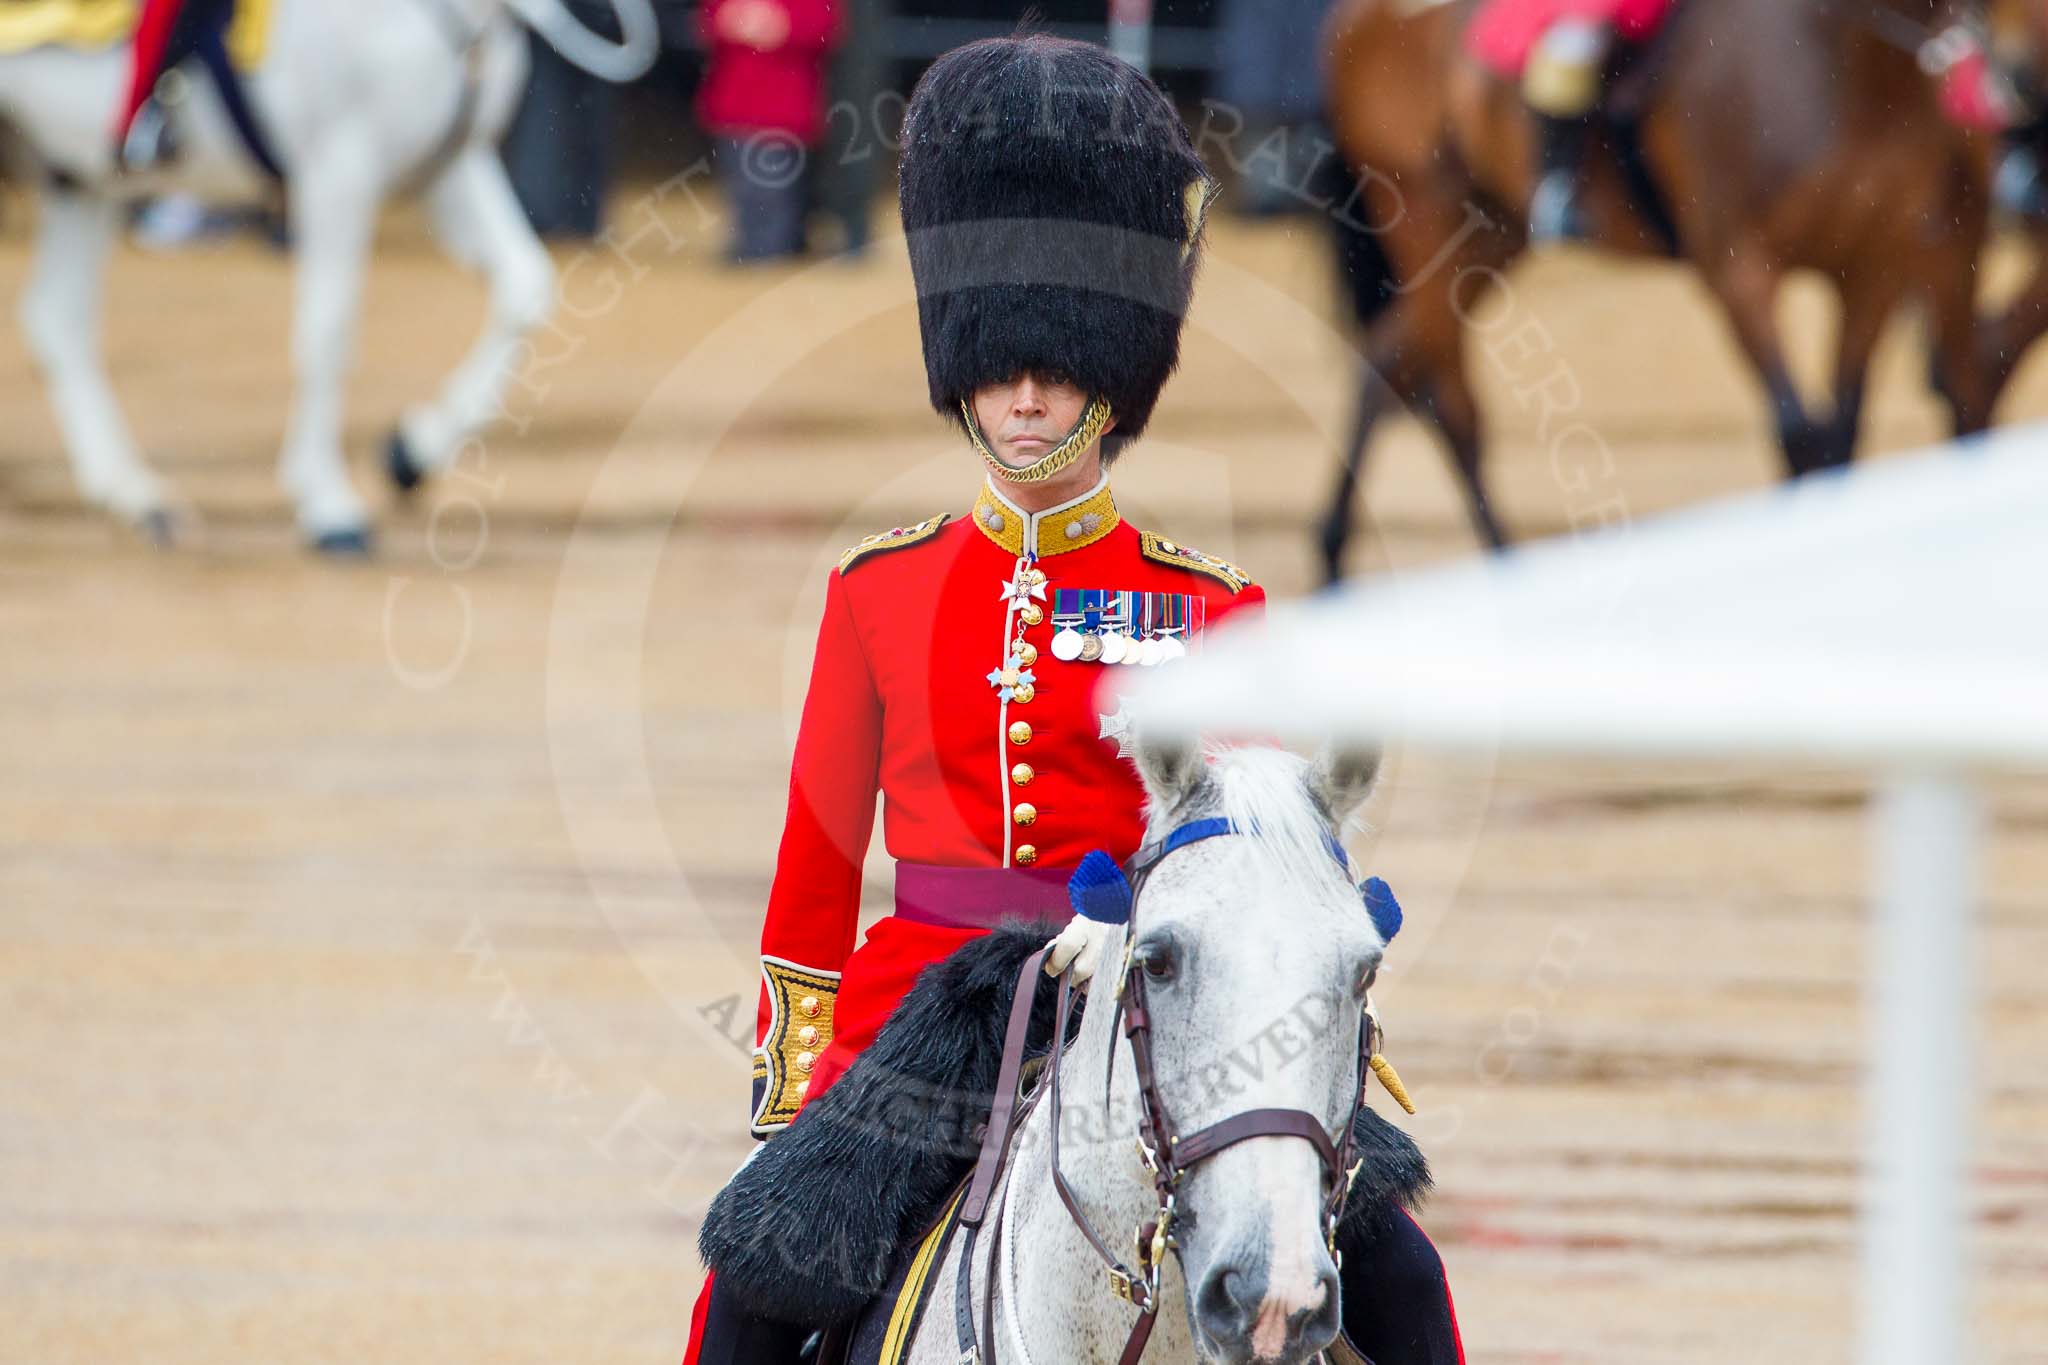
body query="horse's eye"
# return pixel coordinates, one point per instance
(1367, 977)
(1158, 960)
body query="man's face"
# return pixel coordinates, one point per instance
(1023, 418)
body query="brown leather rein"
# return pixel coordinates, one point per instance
(1167, 1153)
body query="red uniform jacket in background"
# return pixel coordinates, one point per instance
(1505, 31)
(748, 91)
(901, 702)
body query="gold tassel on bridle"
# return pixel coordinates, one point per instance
(1391, 1079)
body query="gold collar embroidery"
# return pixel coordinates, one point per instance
(1056, 530)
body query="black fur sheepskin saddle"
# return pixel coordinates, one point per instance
(815, 1227)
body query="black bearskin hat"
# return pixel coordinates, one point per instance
(1054, 208)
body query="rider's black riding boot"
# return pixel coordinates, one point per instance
(1397, 1301)
(1554, 211)
(732, 1336)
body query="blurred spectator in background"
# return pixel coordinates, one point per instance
(763, 102)
(860, 120)
(563, 141)
(1270, 71)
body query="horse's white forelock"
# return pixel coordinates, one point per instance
(1264, 792)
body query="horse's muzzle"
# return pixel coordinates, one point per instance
(1244, 1323)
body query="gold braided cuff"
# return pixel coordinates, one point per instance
(800, 1004)
(1054, 461)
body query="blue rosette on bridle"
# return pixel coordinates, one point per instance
(1381, 905)
(1099, 891)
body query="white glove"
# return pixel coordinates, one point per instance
(1079, 945)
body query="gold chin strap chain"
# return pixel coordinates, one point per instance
(1076, 444)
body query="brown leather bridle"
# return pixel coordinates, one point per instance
(1167, 1153)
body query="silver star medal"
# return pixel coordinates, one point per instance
(1118, 728)
(1026, 585)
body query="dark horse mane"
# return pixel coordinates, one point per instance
(806, 1231)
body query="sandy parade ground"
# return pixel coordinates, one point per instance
(372, 934)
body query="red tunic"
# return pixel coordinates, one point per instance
(901, 702)
(1504, 32)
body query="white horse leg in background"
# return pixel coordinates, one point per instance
(60, 313)
(480, 222)
(354, 102)
(334, 196)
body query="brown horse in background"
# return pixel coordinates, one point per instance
(2018, 33)
(1771, 135)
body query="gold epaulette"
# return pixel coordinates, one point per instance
(896, 539)
(800, 1005)
(1180, 556)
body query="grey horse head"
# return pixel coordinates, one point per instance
(1257, 954)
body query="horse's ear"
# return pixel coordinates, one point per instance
(1342, 778)
(1171, 768)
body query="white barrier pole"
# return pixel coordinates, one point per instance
(1920, 1090)
(1130, 31)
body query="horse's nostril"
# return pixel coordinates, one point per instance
(1225, 1303)
(1317, 1327)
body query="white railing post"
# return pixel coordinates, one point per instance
(1919, 1078)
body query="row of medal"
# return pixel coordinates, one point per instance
(1109, 627)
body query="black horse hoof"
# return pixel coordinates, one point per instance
(406, 472)
(349, 544)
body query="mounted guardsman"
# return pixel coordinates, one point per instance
(1054, 207)
(1563, 53)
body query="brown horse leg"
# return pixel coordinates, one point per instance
(1964, 374)
(1961, 377)
(1747, 285)
(1448, 402)
(1375, 396)
(1867, 303)
(1427, 375)
(1437, 315)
